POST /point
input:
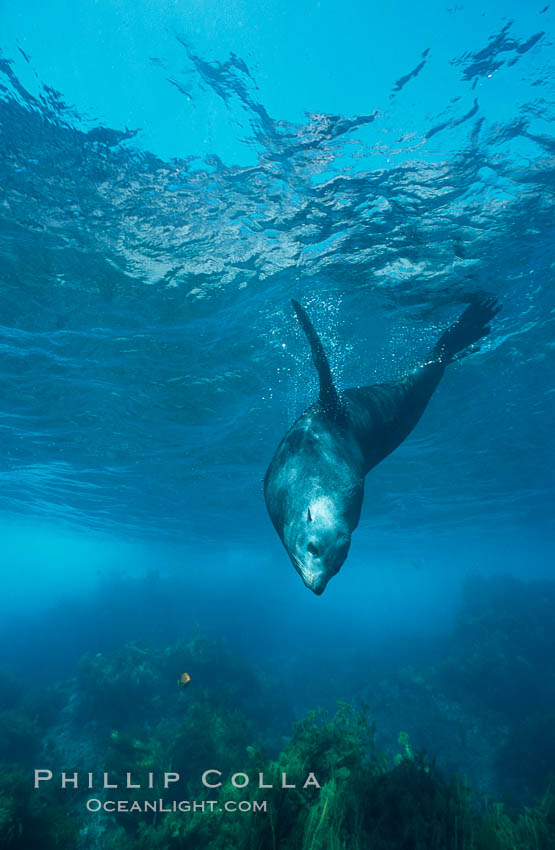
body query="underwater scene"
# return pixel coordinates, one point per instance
(277, 405)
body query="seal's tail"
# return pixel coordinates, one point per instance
(471, 326)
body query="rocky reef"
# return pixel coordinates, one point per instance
(128, 718)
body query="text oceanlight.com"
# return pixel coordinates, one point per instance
(163, 806)
(213, 779)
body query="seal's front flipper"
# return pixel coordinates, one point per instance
(328, 394)
(470, 327)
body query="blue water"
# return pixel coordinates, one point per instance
(171, 175)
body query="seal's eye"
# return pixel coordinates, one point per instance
(312, 549)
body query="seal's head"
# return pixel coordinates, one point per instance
(317, 541)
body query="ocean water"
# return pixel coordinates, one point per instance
(171, 175)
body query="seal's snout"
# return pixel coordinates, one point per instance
(315, 581)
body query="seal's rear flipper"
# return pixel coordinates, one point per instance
(471, 326)
(328, 393)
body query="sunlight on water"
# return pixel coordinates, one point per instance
(171, 176)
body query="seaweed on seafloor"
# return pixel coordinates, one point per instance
(25, 714)
(303, 818)
(527, 756)
(19, 737)
(136, 684)
(206, 734)
(501, 645)
(12, 690)
(531, 828)
(119, 686)
(19, 732)
(366, 802)
(500, 665)
(29, 819)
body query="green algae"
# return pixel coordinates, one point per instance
(127, 708)
(30, 820)
(367, 802)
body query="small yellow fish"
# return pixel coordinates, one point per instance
(183, 680)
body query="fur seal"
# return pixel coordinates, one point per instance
(314, 484)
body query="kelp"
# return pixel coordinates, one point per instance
(136, 683)
(367, 802)
(30, 819)
(126, 711)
